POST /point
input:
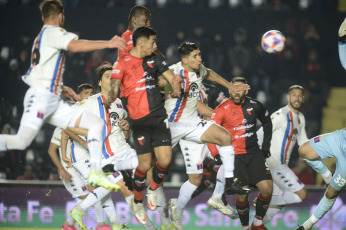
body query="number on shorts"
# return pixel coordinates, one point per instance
(340, 181)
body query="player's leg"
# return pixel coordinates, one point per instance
(262, 203)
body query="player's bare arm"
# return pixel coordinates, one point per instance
(53, 152)
(125, 127)
(69, 93)
(64, 139)
(204, 110)
(113, 92)
(214, 77)
(174, 80)
(79, 46)
(77, 138)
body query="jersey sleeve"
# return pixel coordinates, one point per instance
(267, 127)
(56, 138)
(161, 65)
(129, 42)
(203, 71)
(59, 38)
(277, 121)
(118, 71)
(302, 137)
(218, 115)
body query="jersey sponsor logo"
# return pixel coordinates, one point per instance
(40, 114)
(114, 116)
(145, 87)
(127, 59)
(244, 135)
(253, 102)
(317, 139)
(248, 126)
(141, 140)
(116, 71)
(193, 90)
(150, 64)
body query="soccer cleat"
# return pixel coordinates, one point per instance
(177, 221)
(217, 204)
(260, 227)
(139, 212)
(119, 227)
(99, 179)
(235, 188)
(78, 217)
(108, 168)
(300, 228)
(169, 226)
(66, 227)
(104, 227)
(151, 199)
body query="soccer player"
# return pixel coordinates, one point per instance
(314, 151)
(185, 124)
(288, 128)
(342, 43)
(138, 73)
(239, 116)
(42, 101)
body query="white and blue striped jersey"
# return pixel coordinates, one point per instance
(288, 128)
(48, 59)
(185, 108)
(113, 136)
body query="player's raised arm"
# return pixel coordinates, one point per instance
(79, 46)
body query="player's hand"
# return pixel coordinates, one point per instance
(67, 162)
(236, 88)
(69, 93)
(342, 32)
(117, 42)
(266, 153)
(85, 144)
(123, 124)
(65, 175)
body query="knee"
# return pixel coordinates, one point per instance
(22, 143)
(302, 150)
(331, 193)
(242, 198)
(144, 166)
(267, 190)
(165, 162)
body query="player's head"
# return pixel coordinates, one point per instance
(190, 55)
(145, 38)
(103, 75)
(139, 16)
(295, 96)
(85, 90)
(51, 10)
(238, 97)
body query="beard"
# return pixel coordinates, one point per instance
(295, 107)
(238, 101)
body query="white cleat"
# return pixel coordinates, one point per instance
(151, 199)
(177, 221)
(217, 204)
(139, 212)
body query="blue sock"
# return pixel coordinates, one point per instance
(318, 165)
(323, 207)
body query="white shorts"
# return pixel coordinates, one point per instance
(77, 187)
(115, 177)
(83, 167)
(119, 156)
(194, 155)
(189, 130)
(285, 180)
(42, 106)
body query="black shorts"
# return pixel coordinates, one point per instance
(151, 131)
(251, 169)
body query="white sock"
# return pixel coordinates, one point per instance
(257, 222)
(271, 212)
(92, 198)
(227, 157)
(94, 125)
(310, 222)
(220, 183)
(149, 225)
(246, 227)
(277, 200)
(327, 177)
(162, 206)
(99, 214)
(131, 163)
(108, 206)
(291, 198)
(185, 194)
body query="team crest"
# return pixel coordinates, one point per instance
(317, 139)
(150, 64)
(115, 64)
(40, 114)
(141, 140)
(249, 111)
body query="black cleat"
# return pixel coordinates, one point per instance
(108, 168)
(235, 188)
(300, 228)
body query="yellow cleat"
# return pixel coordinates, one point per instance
(78, 217)
(169, 226)
(100, 179)
(119, 227)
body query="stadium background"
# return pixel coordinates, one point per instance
(230, 39)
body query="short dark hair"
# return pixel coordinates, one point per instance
(101, 70)
(295, 87)
(137, 11)
(51, 8)
(85, 86)
(142, 31)
(186, 48)
(239, 79)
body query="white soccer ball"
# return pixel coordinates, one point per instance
(273, 41)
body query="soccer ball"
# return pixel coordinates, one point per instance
(273, 41)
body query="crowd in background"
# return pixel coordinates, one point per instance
(303, 61)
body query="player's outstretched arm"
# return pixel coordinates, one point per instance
(175, 81)
(53, 152)
(204, 110)
(79, 46)
(113, 92)
(214, 77)
(77, 138)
